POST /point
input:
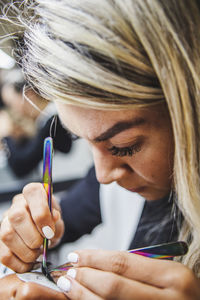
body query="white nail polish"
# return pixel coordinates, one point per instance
(72, 257)
(40, 258)
(48, 232)
(64, 284)
(71, 273)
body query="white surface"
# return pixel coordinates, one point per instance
(121, 211)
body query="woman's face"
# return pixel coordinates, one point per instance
(132, 147)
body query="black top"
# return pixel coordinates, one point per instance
(158, 223)
(81, 214)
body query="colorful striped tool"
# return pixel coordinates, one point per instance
(47, 183)
(163, 251)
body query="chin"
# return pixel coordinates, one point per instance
(155, 196)
(148, 193)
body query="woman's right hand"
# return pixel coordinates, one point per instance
(25, 225)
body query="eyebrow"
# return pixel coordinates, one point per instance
(119, 127)
(115, 129)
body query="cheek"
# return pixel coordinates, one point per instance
(153, 165)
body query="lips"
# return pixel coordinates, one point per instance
(137, 190)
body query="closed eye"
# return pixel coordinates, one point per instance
(125, 151)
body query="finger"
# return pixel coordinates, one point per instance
(23, 224)
(112, 286)
(58, 233)
(21, 220)
(14, 200)
(55, 203)
(60, 227)
(127, 264)
(19, 199)
(74, 290)
(36, 198)
(16, 245)
(8, 259)
(56, 215)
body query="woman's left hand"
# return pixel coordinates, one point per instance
(121, 275)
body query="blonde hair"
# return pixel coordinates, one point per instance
(120, 54)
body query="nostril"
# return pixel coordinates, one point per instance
(115, 174)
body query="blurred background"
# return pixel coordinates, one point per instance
(24, 124)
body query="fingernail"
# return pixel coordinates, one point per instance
(72, 257)
(49, 243)
(64, 284)
(40, 258)
(71, 273)
(48, 232)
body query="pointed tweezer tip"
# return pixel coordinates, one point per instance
(46, 273)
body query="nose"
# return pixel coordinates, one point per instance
(108, 168)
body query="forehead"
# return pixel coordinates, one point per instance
(89, 123)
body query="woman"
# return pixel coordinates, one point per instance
(124, 75)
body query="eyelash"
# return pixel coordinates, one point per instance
(117, 151)
(125, 151)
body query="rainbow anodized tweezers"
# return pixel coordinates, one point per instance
(47, 183)
(162, 251)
